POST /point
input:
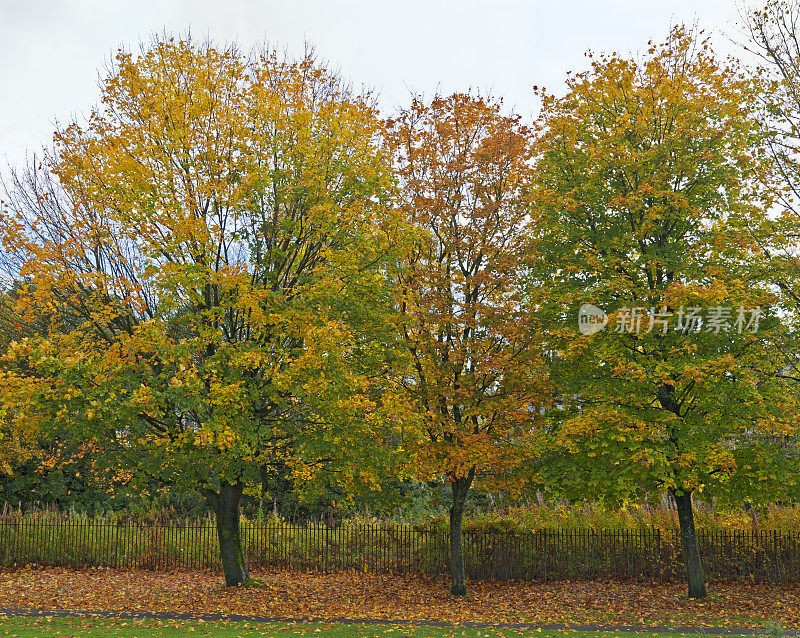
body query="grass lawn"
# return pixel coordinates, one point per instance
(99, 628)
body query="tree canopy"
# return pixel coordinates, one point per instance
(475, 382)
(650, 177)
(237, 275)
(219, 235)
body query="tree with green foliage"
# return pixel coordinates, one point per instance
(219, 227)
(651, 206)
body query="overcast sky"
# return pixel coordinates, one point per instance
(52, 50)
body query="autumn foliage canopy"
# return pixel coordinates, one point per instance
(236, 268)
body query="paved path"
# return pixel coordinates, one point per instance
(61, 613)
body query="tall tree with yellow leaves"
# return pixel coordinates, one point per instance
(217, 232)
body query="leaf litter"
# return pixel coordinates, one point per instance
(401, 597)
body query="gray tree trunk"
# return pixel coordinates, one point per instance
(460, 486)
(691, 552)
(226, 507)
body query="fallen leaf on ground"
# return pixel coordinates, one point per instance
(400, 597)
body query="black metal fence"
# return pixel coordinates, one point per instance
(539, 555)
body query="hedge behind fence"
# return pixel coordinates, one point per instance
(540, 555)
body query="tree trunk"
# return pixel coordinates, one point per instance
(226, 507)
(460, 486)
(691, 553)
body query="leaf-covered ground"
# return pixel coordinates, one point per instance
(402, 597)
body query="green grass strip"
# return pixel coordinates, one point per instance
(49, 627)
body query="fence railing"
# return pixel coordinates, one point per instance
(538, 555)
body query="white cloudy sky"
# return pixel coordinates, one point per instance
(51, 50)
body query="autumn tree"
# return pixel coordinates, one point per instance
(18, 443)
(22, 448)
(770, 33)
(219, 228)
(650, 206)
(474, 383)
